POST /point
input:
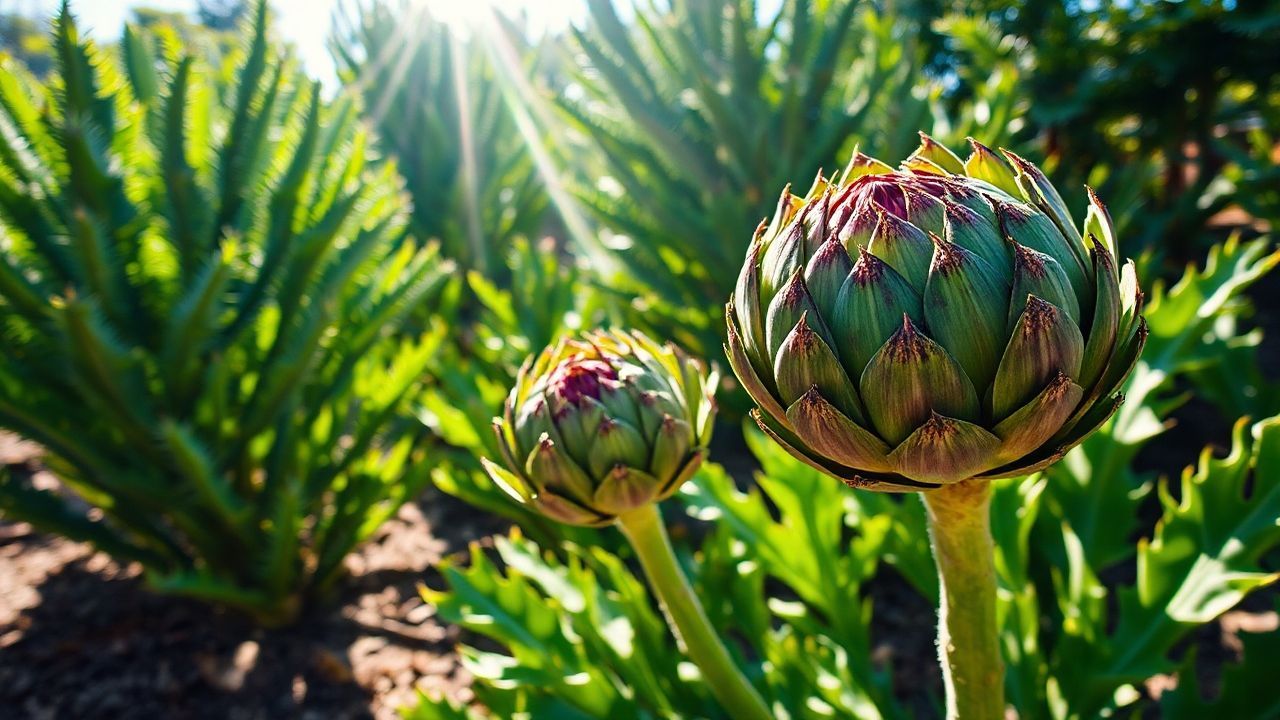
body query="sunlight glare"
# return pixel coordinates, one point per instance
(541, 15)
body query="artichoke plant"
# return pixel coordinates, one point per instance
(601, 425)
(927, 329)
(203, 303)
(596, 431)
(908, 329)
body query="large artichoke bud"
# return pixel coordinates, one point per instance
(906, 329)
(601, 425)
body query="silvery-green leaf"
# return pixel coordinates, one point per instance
(1125, 358)
(945, 450)
(986, 165)
(1031, 425)
(1106, 317)
(922, 166)
(533, 420)
(1098, 225)
(671, 447)
(858, 228)
(1028, 226)
(617, 443)
(655, 405)
(905, 247)
(558, 507)
(624, 489)
(805, 360)
(577, 426)
(754, 384)
(815, 218)
(826, 272)
(978, 235)
(783, 214)
(1045, 342)
(682, 475)
(965, 192)
(620, 402)
(786, 310)
(965, 309)
(923, 210)
(795, 447)
(831, 434)
(505, 438)
(910, 377)
(1130, 299)
(549, 467)
(510, 483)
(869, 309)
(747, 303)
(938, 154)
(860, 164)
(781, 260)
(1037, 189)
(1035, 273)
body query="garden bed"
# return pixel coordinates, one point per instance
(81, 637)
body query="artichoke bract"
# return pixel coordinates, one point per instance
(907, 329)
(601, 425)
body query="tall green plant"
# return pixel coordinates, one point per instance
(198, 276)
(432, 98)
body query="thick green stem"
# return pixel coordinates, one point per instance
(968, 638)
(644, 528)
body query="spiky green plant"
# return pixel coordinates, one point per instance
(432, 98)
(681, 119)
(198, 273)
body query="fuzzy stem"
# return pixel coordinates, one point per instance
(968, 638)
(644, 529)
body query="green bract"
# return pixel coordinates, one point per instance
(906, 329)
(600, 425)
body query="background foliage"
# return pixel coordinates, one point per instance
(438, 111)
(197, 277)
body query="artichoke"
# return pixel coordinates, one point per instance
(908, 329)
(601, 425)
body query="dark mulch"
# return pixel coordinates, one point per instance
(80, 637)
(904, 639)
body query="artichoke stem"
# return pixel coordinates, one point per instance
(968, 637)
(688, 621)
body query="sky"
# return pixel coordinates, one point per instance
(305, 23)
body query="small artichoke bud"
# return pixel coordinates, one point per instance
(951, 323)
(600, 425)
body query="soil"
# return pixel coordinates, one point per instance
(80, 637)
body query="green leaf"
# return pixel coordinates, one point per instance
(805, 547)
(1246, 690)
(1202, 559)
